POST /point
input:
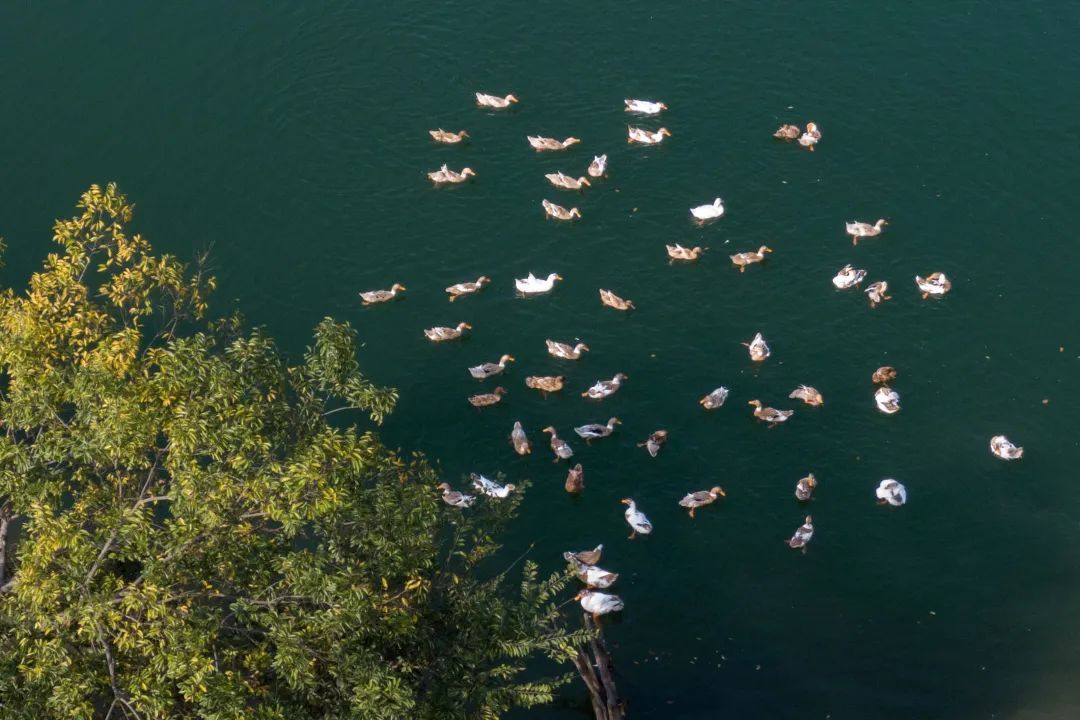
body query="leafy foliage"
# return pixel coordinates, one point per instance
(196, 540)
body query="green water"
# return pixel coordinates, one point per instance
(294, 143)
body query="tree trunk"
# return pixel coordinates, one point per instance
(600, 681)
(5, 520)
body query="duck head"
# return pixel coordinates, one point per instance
(718, 491)
(396, 287)
(570, 141)
(466, 172)
(463, 326)
(581, 347)
(506, 359)
(755, 403)
(511, 98)
(664, 132)
(764, 249)
(499, 391)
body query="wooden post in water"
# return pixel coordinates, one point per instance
(596, 671)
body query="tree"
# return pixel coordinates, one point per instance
(191, 536)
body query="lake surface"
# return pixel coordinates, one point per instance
(293, 141)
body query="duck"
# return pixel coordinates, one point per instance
(442, 334)
(445, 176)
(520, 440)
(490, 487)
(533, 285)
(565, 351)
(447, 138)
(593, 576)
(805, 488)
(604, 388)
(884, 374)
(636, 519)
(811, 137)
(614, 301)
(455, 498)
(741, 260)
(887, 400)
(551, 210)
(598, 166)
(575, 480)
(935, 284)
(1002, 448)
(655, 442)
(788, 132)
(494, 101)
(875, 291)
(758, 348)
(585, 557)
(380, 296)
(598, 603)
(560, 447)
(644, 107)
(645, 137)
(715, 399)
(467, 288)
(678, 252)
(848, 277)
(770, 415)
(594, 431)
(858, 229)
(486, 370)
(802, 535)
(560, 180)
(712, 211)
(486, 399)
(694, 500)
(890, 492)
(808, 395)
(545, 383)
(540, 144)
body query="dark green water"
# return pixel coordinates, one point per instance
(294, 142)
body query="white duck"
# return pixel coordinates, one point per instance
(858, 229)
(644, 107)
(715, 399)
(533, 285)
(490, 487)
(811, 137)
(598, 166)
(645, 137)
(936, 284)
(540, 144)
(848, 277)
(494, 101)
(446, 176)
(802, 535)
(887, 400)
(1002, 448)
(876, 291)
(758, 348)
(891, 492)
(565, 351)
(591, 575)
(708, 212)
(558, 212)
(604, 388)
(599, 603)
(566, 182)
(636, 519)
